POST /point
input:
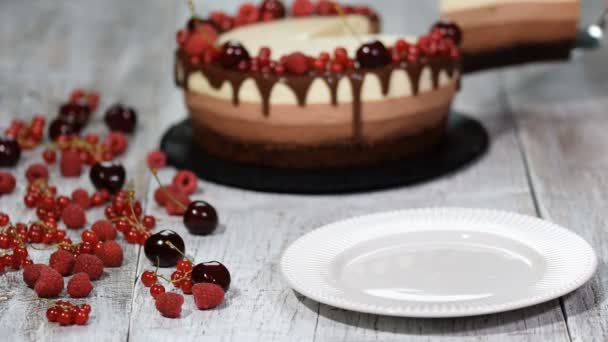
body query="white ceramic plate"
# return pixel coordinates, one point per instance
(438, 263)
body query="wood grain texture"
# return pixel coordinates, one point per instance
(124, 49)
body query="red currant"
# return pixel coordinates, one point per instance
(148, 278)
(49, 156)
(89, 236)
(81, 317)
(184, 266)
(51, 314)
(156, 289)
(149, 221)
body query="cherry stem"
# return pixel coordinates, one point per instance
(191, 7)
(168, 193)
(342, 14)
(170, 244)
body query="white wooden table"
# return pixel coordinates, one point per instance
(548, 158)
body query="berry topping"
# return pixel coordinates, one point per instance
(80, 285)
(200, 218)
(221, 20)
(169, 304)
(248, 14)
(272, 9)
(10, 152)
(110, 254)
(301, 8)
(121, 118)
(211, 272)
(326, 7)
(297, 63)
(373, 55)
(207, 296)
(7, 183)
(73, 216)
(108, 176)
(89, 264)
(165, 248)
(449, 29)
(197, 43)
(62, 262)
(232, 54)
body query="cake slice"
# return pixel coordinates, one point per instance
(504, 32)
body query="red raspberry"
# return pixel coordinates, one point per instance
(62, 262)
(81, 197)
(207, 295)
(160, 195)
(70, 164)
(80, 285)
(7, 183)
(117, 143)
(36, 171)
(49, 284)
(157, 159)
(73, 216)
(104, 230)
(185, 182)
(110, 254)
(31, 274)
(302, 8)
(175, 209)
(197, 43)
(169, 304)
(248, 14)
(89, 264)
(297, 63)
(326, 7)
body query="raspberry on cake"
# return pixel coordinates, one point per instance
(319, 90)
(504, 32)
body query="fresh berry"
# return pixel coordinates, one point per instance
(62, 262)
(207, 296)
(81, 318)
(73, 216)
(200, 218)
(70, 165)
(211, 272)
(89, 264)
(196, 44)
(272, 9)
(110, 254)
(177, 205)
(31, 274)
(116, 143)
(302, 8)
(65, 318)
(80, 285)
(297, 63)
(85, 97)
(7, 183)
(450, 30)
(59, 128)
(49, 284)
(232, 54)
(75, 114)
(170, 304)
(81, 197)
(148, 278)
(104, 230)
(373, 55)
(326, 7)
(156, 159)
(121, 118)
(156, 290)
(108, 176)
(185, 182)
(10, 152)
(165, 248)
(160, 195)
(248, 14)
(90, 237)
(49, 156)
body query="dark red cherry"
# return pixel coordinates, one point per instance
(211, 272)
(272, 9)
(10, 152)
(232, 54)
(160, 248)
(59, 127)
(449, 29)
(373, 55)
(75, 114)
(109, 176)
(200, 218)
(121, 118)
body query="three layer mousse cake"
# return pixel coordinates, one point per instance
(505, 32)
(323, 89)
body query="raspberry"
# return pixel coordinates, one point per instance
(62, 262)
(89, 264)
(161, 197)
(169, 304)
(326, 7)
(70, 164)
(80, 285)
(73, 216)
(81, 197)
(174, 208)
(36, 171)
(296, 63)
(207, 295)
(248, 14)
(104, 230)
(110, 254)
(185, 182)
(117, 143)
(7, 183)
(157, 159)
(302, 8)
(196, 44)
(49, 284)
(31, 274)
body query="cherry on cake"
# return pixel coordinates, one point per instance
(504, 32)
(320, 88)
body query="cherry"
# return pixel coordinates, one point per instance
(373, 55)
(121, 118)
(200, 218)
(108, 176)
(232, 54)
(211, 272)
(10, 152)
(160, 248)
(272, 9)
(75, 114)
(59, 127)
(449, 29)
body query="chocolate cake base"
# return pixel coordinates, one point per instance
(517, 54)
(465, 139)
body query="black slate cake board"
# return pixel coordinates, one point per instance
(465, 141)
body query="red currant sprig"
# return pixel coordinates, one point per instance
(127, 215)
(28, 136)
(66, 313)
